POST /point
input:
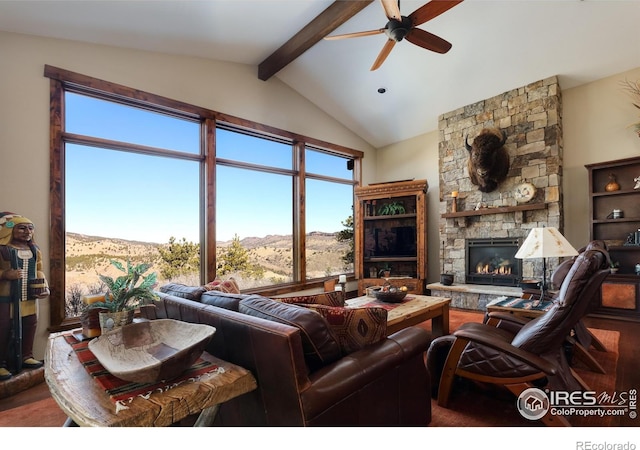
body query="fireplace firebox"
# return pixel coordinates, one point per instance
(492, 261)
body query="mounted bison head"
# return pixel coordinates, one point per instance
(488, 159)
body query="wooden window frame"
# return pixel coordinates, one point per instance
(62, 80)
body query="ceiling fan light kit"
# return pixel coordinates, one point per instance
(400, 27)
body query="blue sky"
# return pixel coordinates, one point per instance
(140, 197)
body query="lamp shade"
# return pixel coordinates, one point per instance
(545, 242)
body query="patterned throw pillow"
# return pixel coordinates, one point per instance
(355, 328)
(229, 286)
(331, 298)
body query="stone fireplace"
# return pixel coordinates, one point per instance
(531, 117)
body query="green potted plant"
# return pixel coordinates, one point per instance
(125, 293)
(614, 266)
(385, 272)
(390, 209)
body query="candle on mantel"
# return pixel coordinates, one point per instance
(454, 203)
(342, 279)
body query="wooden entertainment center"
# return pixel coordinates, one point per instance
(391, 235)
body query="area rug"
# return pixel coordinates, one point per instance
(474, 405)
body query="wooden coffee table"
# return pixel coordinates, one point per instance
(413, 310)
(87, 404)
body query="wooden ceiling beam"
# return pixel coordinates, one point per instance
(328, 20)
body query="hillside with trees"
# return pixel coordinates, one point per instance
(252, 261)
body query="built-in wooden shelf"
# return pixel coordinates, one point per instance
(500, 210)
(619, 295)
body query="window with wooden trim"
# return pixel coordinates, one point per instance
(133, 173)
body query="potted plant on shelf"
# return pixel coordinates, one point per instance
(385, 272)
(125, 293)
(390, 209)
(614, 266)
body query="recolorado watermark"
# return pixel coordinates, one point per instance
(589, 445)
(534, 404)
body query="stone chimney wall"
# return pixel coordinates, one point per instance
(531, 117)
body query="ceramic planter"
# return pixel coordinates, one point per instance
(112, 320)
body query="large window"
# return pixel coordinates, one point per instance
(129, 203)
(141, 177)
(271, 194)
(329, 214)
(254, 228)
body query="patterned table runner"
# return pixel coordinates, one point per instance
(120, 391)
(521, 303)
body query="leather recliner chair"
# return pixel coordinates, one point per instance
(526, 355)
(581, 336)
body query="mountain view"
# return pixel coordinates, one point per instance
(88, 256)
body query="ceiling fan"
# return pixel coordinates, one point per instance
(400, 27)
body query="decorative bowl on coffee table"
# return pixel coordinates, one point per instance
(390, 296)
(152, 351)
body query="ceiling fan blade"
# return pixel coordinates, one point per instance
(391, 9)
(356, 34)
(427, 40)
(430, 10)
(383, 54)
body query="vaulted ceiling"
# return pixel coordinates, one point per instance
(496, 46)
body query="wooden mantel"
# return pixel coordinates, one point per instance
(499, 210)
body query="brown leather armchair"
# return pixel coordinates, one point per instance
(520, 356)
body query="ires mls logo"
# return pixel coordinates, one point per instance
(577, 398)
(534, 403)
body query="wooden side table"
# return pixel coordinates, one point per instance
(87, 404)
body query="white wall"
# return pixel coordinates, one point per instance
(417, 158)
(596, 129)
(596, 119)
(230, 88)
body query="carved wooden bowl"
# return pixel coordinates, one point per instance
(148, 352)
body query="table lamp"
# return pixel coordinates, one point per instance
(545, 243)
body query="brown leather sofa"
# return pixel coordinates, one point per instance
(384, 384)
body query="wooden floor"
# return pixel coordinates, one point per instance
(628, 375)
(31, 395)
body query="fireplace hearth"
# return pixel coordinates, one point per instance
(492, 261)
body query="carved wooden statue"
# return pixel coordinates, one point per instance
(488, 162)
(22, 282)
